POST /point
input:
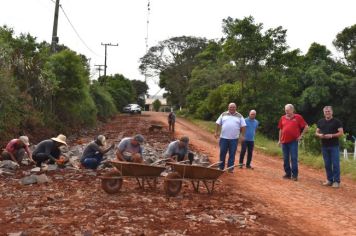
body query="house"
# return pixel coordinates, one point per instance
(149, 104)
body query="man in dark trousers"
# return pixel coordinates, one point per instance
(49, 150)
(329, 129)
(94, 152)
(171, 121)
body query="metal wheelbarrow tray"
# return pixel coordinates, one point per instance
(194, 174)
(112, 182)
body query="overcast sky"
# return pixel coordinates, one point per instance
(124, 22)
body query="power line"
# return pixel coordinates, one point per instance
(76, 32)
(147, 24)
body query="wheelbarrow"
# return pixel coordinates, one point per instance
(193, 173)
(112, 182)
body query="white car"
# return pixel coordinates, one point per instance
(132, 108)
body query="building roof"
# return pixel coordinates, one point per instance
(149, 101)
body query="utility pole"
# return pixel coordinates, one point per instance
(99, 68)
(55, 27)
(107, 44)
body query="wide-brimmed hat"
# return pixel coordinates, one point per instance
(102, 140)
(60, 139)
(139, 138)
(25, 140)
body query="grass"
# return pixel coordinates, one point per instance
(271, 148)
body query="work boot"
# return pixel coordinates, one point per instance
(286, 176)
(327, 183)
(241, 165)
(249, 167)
(335, 185)
(294, 178)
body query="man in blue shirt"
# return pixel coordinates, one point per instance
(248, 143)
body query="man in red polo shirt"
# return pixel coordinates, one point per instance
(291, 129)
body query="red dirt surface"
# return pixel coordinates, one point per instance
(248, 202)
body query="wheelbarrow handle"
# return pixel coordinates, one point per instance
(183, 161)
(159, 161)
(231, 167)
(214, 164)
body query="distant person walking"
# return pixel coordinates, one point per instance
(291, 129)
(171, 121)
(232, 124)
(329, 129)
(249, 142)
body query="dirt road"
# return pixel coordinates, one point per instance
(305, 206)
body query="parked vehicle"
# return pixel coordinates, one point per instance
(132, 108)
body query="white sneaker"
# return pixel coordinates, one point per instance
(335, 185)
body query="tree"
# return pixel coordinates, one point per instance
(120, 89)
(72, 103)
(156, 104)
(346, 42)
(103, 101)
(173, 60)
(141, 89)
(249, 49)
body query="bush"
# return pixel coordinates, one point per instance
(103, 101)
(310, 142)
(156, 105)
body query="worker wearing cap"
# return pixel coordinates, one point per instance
(94, 152)
(49, 150)
(177, 149)
(15, 150)
(129, 149)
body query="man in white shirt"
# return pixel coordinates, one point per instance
(232, 124)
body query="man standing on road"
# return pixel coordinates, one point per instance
(329, 129)
(171, 121)
(251, 126)
(291, 129)
(232, 124)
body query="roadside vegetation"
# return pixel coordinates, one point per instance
(45, 92)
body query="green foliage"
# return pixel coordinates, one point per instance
(120, 89)
(140, 90)
(310, 142)
(72, 104)
(346, 42)
(103, 101)
(156, 105)
(173, 60)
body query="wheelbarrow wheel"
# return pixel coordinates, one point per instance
(111, 183)
(172, 186)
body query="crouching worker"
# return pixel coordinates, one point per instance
(94, 152)
(129, 149)
(15, 150)
(177, 150)
(49, 149)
